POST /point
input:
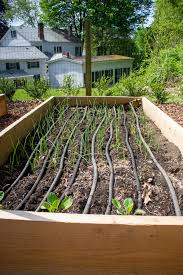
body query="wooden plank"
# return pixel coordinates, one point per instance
(3, 105)
(43, 243)
(97, 100)
(169, 128)
(20, 128)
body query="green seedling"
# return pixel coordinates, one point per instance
(127, 208)
(53, 203)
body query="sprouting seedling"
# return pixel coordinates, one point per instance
(1, 195)
(53, 203)
(127, 208)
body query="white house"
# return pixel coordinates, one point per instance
(22, 62)
(45, 39)
(113, 66)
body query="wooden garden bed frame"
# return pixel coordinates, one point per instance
(44, 243)
(3, 105)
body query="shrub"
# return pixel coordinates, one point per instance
(69, 86)
(159, 92)
(36, 88)
(102, 85)
(7, 87)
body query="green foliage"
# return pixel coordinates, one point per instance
(69, 87)
(7, 87)
(53, 203)
(1, 195)
(159, 92)
(102, 85)
(36, 88)
(125, 209)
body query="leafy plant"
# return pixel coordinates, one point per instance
(160, 92)
(53, 203)
(69, 86)
(102, 85)
(7, 87)
(36, 88)
(127, 208)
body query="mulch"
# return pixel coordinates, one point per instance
(16, 110)
(175, 111)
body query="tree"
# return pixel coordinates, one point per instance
(111, 20)
(3, 21)
(25, 10)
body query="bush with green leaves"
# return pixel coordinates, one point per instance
(7, 87)
(102, 85)
(127, 208)
(159, 92)
(69, 87)
(36, 88)
(54, 204)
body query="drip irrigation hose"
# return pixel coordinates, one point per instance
(44, 165)
(59, 173)
(95, 171)
(73, 178)
(31, 156)
(134, 165)
(163, 172)
(111, 182)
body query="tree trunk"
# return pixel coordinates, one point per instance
(88, 79)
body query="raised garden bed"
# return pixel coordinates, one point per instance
(16, 110)
(173, 110)
(93, 154)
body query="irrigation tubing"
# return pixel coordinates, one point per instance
(59, 173)
(44, 165)
(73, 178)
(31, 156)
(161, 169)
(134, 165)
(109, 160)
(95, 171)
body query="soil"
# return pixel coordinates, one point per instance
(173, 110)
(155, 194)
(16, 110)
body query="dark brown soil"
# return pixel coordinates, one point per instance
(155, 193)
(173, 110)
(16, 110)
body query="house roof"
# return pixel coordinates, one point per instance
(21, 53)
(15, 74)
(81, 59)
(31, 34)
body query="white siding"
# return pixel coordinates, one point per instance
(18, 41)
(57, 70)
(23, 66)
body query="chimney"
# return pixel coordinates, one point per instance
(41, 31)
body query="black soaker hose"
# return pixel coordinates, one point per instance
(73, 178)
(111, 182)
(59, 173)
(31, 156)
(166, 177)
(134, 166)
(44, 165)
(95, 171)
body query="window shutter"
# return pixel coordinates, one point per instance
(28, 65)
(38, 64)
(7, 66)
(18, 66)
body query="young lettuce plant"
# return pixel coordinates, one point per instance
(127, 208)
(53, 203)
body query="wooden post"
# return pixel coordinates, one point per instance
(88, 79)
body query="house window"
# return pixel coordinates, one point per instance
(77, 51)
(31, 65)
(39, 48)
(12, 66)
(37, 77)
(57, 49)
(126, 71)
(13, 34)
